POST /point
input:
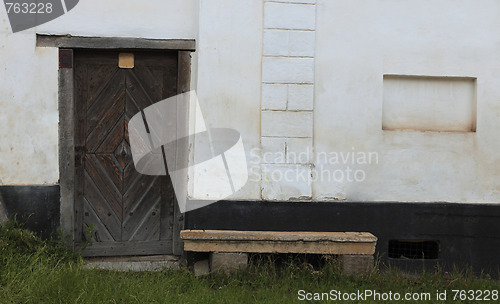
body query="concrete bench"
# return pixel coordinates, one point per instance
(229, 249)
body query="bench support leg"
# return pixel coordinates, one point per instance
(201, 268)
(227, 261)
(356, 264)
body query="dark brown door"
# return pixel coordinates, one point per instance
(127, 213)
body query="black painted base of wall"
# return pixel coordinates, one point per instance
(37, 207)
(468, 234)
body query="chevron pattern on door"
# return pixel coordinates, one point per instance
(127, 213)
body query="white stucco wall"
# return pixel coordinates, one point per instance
(357, 43)
(229, 73)
(28, 75)
(28, 110)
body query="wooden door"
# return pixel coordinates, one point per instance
(126, 212)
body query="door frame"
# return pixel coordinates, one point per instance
(66, 105)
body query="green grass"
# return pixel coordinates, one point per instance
(34, 271)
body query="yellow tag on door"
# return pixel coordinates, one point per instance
(126, 60)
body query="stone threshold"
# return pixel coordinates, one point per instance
(134, 263)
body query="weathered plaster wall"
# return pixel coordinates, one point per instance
(229, 74)
(357, 43)
(28, 110)
(28, 75)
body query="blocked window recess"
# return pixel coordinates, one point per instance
(425, 103)
(413, 249)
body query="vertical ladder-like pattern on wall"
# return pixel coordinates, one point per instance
(287, 98)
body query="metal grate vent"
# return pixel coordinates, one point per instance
(413, 249)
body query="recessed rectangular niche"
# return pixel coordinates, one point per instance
(425, 103)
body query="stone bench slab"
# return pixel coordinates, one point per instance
(341, 243)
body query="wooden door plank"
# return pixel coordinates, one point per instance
(137, 192)
(101, 233)
(140, 209)
(104, 212)
(103, 184)
(112, 139)
(110, 165)
(139, 96)
(109, 129)
(99, 80)
(110, 99)
(149, 229)
(149, 79)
